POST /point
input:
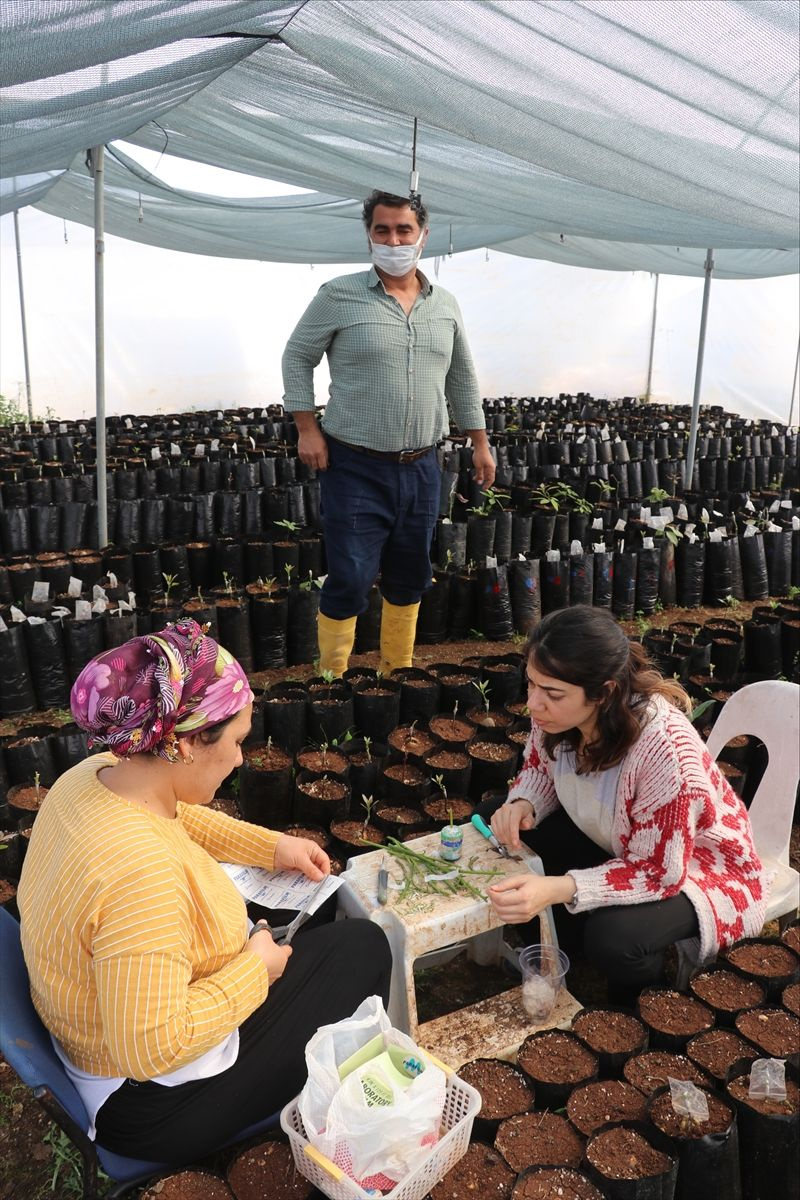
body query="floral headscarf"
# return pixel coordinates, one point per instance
(141, 696)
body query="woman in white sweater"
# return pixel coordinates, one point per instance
(642, 838)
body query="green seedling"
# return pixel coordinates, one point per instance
(483, 687)
(170, 583)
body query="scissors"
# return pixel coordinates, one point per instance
(484, 829)
(283, 934)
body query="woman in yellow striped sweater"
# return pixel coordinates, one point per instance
(178, 1027)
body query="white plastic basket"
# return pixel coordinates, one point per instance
(461, 1105)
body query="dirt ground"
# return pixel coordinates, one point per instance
(35, 1163)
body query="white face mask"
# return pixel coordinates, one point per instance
(397, 260)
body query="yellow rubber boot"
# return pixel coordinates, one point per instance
(335, 643)
(398, 628)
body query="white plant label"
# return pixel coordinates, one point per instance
(83, 610)
(17, 614)
(41, 591)
(155, 454)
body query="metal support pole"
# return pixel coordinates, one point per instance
(708, 267)
(99, 347)
(649, 387)
(22, 315)
(794, 382)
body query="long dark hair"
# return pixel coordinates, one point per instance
(587, 647)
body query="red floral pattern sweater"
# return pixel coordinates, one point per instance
(678, 827)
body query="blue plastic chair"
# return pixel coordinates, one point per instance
(26, 1046)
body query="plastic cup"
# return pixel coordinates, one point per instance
(543, 970)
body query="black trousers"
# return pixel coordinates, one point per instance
(625, 941)
(332, 969)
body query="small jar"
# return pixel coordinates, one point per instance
(452, 843)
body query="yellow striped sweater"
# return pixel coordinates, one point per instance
(134, 937)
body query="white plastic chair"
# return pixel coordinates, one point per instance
(769, 711)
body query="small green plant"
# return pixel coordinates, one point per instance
(170, 583)
(642, 623)
(605, 487)
(309, 583)
(367, 803)
(439, 781)
(483, 687)
(475, 635)
(11, 413)
(37, 780)
(492, 499)
(546, 496)
(656, 495)
(67, 1177)
(288, 568)
(228, 582)
(291, 527)
(367, 743)
(702, 708)
(328, 676)
(793, 593)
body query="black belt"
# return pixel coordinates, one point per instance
(398, 456)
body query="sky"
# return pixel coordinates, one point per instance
(190, 331)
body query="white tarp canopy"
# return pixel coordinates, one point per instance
(622, 134)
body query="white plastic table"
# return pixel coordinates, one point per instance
(420, 925)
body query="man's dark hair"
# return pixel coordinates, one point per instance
(392, 201)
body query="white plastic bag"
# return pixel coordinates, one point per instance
(377, 1145)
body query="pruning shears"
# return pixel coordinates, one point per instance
(484, 829)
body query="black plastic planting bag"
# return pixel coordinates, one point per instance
(480, 538)
(48, 661)
(83, 640)
(311, 557)
(737, 579)
(554, 580)
(233, 623)
(502, 536)
(451, 543)
(708, 1165)
(778, 550)
(251, 518)
(376, 714)
(770, 1147)
(44, 527)
(544, 524)
(460, 610)
(648, 569)
(269, 623)
(652, 1187)
(754, 566)
(523, 587)
(181, 518)
(258, 563)
(762, 649)
(302, 645)
(129, 522)
(27, 756)
(203, 520)
(581, 578)
(521, 529)
(285, 715)
(690, 561)
(603, 578)
(433, 611)
(494, 603)
(16, 689)
(623, 600)
(73, 524)
(228, 514)
(719, 572)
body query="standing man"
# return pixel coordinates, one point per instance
(397, 353)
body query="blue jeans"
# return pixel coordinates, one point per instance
(378, 517)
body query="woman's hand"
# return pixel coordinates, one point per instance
(274, 957)
(509, 819)
(519, 898)
(301, 854)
